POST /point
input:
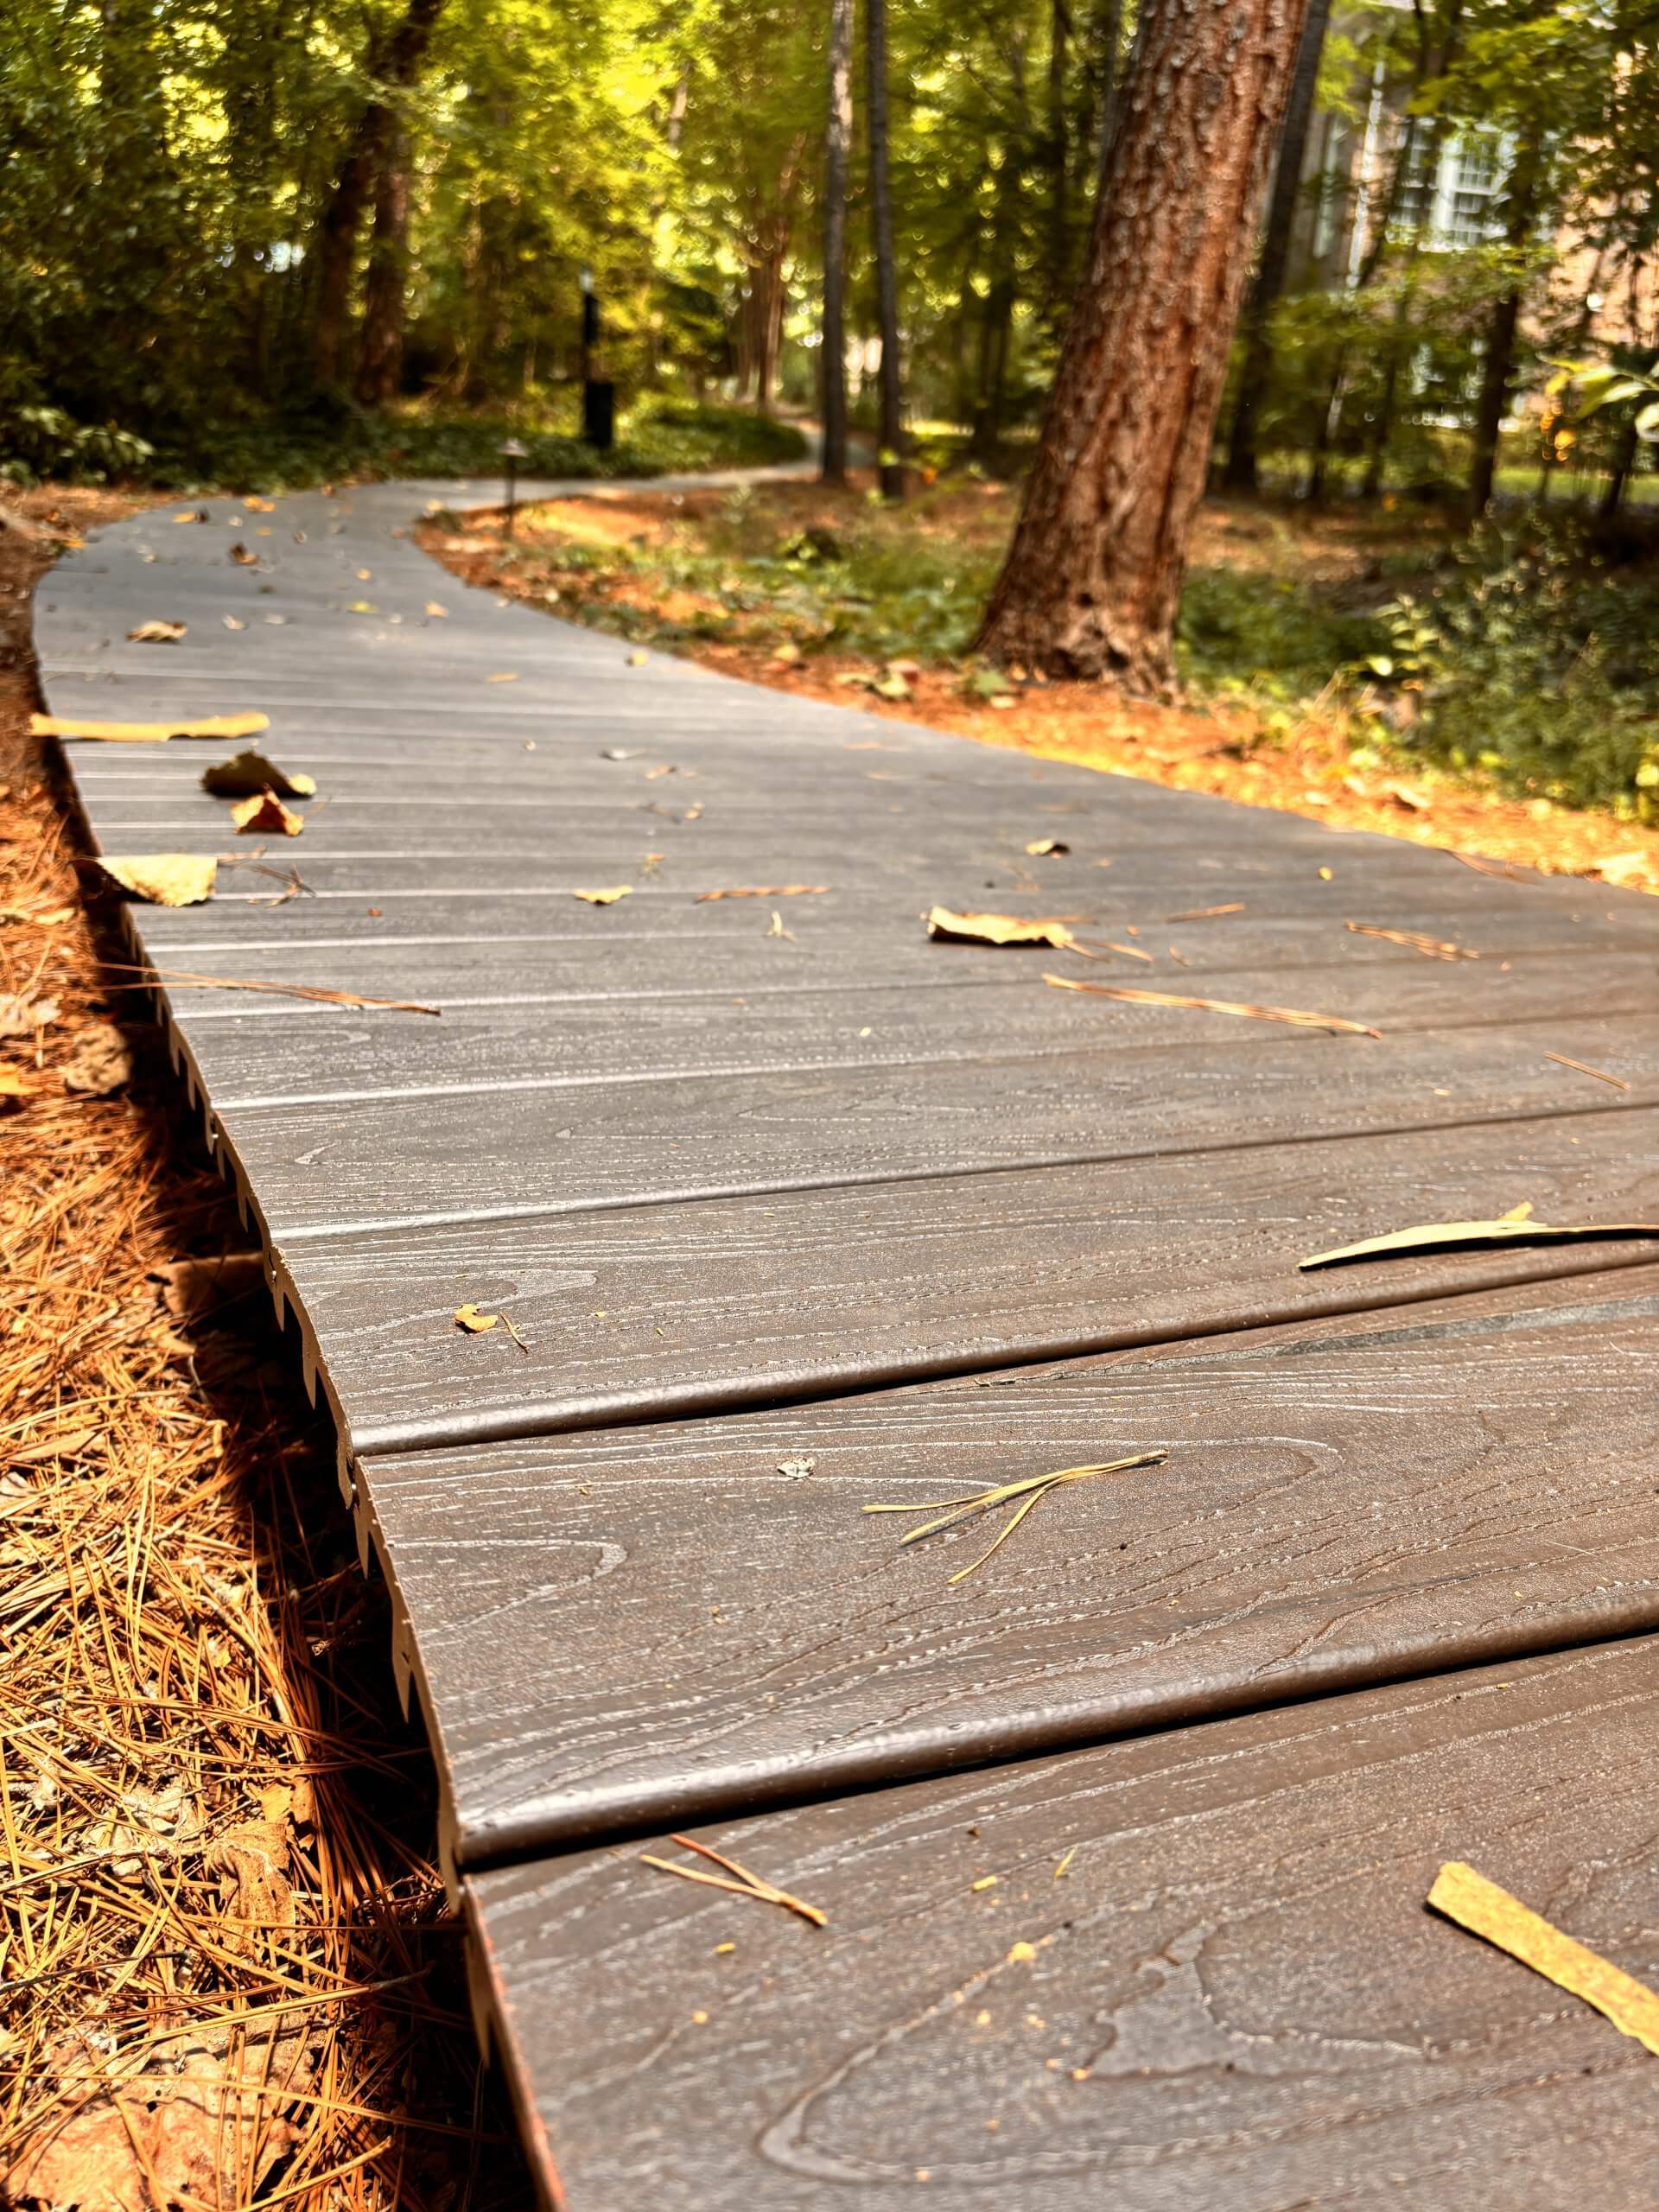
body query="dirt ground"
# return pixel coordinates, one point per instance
(1307, 771)
(229, 1972)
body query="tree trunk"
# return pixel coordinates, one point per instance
(1059, 158)
(395, 67)
(837, 145)
(1241, 473)
(1111, 41)
(886, 282)
(380, 353)
(1093, 581)
(1498, 369)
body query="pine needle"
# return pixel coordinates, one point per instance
(747, 1884)
(1031, 1488)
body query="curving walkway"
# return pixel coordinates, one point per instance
(794, 1211)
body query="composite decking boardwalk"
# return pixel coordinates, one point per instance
(794, 1216)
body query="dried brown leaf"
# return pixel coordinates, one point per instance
(164, 879)
(20, 1015)
(156, 633)
(1292, 1014)
(247, 774)
(101, 1062)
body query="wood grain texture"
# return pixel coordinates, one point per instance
(659, 1624)
(1233, 1997)
(667, 1310)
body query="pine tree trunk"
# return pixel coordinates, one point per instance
(886, 282)
(837, 144)
(1498, 368)
(397, 65)
(1091, 584)
(1111, 41)
(380, 353)
(1241, 473)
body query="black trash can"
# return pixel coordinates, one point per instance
(599, 414)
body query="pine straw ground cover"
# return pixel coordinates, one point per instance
(227, 1973)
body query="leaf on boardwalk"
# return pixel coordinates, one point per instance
(507, 676)
(1042, 848)
(156, 633)
(1468, 1898)
(1292, 1014)
(164, 879)
(475, 1324)
(101, 1062)
(437, 613)
(265, 814)
(1051, 930)
(224, 726)
(1516, 1227)
(1208, 913)
(233, 622)
(1431, 947)
(637, 660)
(242, 557)
(605, 898)
(248, 773)
(764, 891)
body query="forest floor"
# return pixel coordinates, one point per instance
(822, 593)
(229, 1969)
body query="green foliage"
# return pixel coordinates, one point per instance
(1245, 635)
(1532, 661)
(36, 443)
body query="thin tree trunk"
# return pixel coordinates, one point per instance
(380, 351)
(1612, 497)
(396, 67)
(1498, 369)
(886, 282)
(1059, 157)
(1111, 42)
(1241, 473)
(1093, 581)
(837, 145)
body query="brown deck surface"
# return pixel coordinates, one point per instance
(757, 1194)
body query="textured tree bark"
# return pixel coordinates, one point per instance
(397, 65)
(1257, 364)
(837, 145)
(1498, 368)
(380, 350)
(1092, 581)
(886, 282)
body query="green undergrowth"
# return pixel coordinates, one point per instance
(656, 436)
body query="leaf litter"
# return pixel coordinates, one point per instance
(264, 815)
(1516, 1227)
(1030, 1490)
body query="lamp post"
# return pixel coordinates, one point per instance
(512, 453)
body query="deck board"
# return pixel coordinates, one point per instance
(1231, 1996)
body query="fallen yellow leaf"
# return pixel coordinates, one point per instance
(607, 898)
(1468, 1898)
(224, 726)
(510, 676)
(1516, 1227)
(999, 929)
(265, 812)
(1046, 848)
(156, 633)
(467, 1317)
(164, 879)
